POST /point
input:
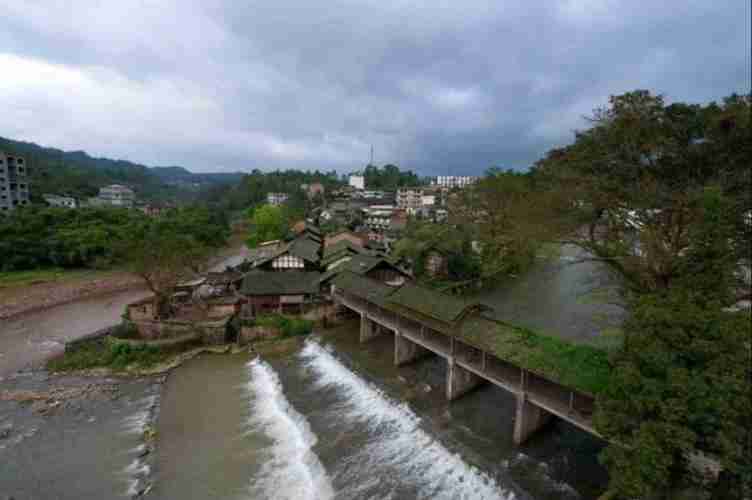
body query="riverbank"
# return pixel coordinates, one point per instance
(26, 293)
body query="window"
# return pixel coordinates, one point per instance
(20, 161)
(20, 170)
(22, 186)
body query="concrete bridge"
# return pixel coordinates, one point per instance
(425, 322)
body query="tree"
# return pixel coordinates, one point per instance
(163, 256)
(660, 194)
(624, 190)
(267, 223)
(455, 242)
(508, 217)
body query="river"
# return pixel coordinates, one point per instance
(331, 419)
(565, 296)
(334, 419)
(33, 338)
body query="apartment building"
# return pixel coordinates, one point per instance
(14, 183)
(409, 199)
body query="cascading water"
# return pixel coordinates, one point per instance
(290, 469)
(396, 458)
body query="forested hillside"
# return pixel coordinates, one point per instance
(80, 175)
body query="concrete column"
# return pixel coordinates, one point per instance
(368, 329)
(528, 419)
(459, 380)
(406, 351)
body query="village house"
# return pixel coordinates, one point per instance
(288, 292)
(302, 253)
(376, 267)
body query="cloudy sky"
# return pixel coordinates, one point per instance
(439, 87)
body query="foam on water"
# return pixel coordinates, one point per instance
(402, 445)
(292, 470)
(137, 472)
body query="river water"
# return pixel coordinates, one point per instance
(31, 339)
(89, 446)
(334, 419)
(566, 296)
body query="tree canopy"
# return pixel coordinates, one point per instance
(661, 195)
(267, 223)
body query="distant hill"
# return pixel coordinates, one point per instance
(80, 175)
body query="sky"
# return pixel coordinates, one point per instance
(437, 87)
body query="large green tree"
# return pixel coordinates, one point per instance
(267, 222)
(661, 195)
(624, 191)
(681, 383)
(162, 255)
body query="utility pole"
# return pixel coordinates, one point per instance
(371, 163)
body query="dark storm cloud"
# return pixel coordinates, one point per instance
(444, 87)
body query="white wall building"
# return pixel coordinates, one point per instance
(455, 181)
(54, 200)
(276, 198)
(117, 195)
(409, 199)
(357, 181)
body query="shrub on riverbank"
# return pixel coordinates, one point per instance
(115, 356)
(288, 326)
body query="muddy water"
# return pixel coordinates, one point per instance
(335, 419)
(32, 339)
(86, 447)
(563, 297)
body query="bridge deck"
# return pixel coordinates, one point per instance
(569, 404)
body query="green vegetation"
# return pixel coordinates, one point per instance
(38, 238)
(108, 355)
(77, 174)
(164, 251)
(660, 195)
(251, 190)
(388, 178)
(13, 279)
(581, 366)
(267, 223)
(454, 243)
(290, 327)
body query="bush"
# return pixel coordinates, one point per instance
(125, 330)
(114, 355)
(290, 327)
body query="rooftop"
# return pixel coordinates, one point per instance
(280, 283)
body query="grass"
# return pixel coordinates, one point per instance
(115, 356)
(290, 327)
(13, 279)
(581, 366)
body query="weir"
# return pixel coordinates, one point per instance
(538, 399)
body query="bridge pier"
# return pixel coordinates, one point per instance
(459, 380)
(368, 328)
(406, 351)
(528, 418)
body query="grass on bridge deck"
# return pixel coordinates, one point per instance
(582, 367)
